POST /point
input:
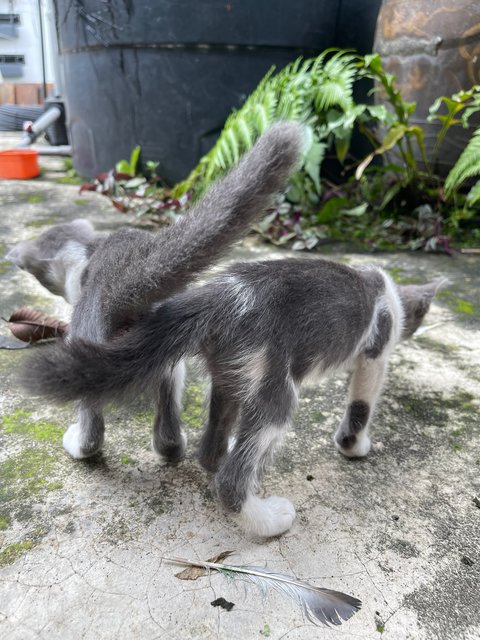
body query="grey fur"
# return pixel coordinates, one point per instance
(118, 277)
(260, 328)
(416, 301)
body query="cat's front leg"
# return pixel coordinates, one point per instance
(169, 441)
(84, 438)
(352, 437)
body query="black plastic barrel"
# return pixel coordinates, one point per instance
(166, 74)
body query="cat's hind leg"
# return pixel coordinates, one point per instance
(223, 413)
(264, 419)
(169, 441)
(84, 438)
(352, 437)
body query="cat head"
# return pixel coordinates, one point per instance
(57, 257)
(416, 299)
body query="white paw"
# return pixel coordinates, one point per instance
(164, 460)
(267, 517)
(71, 441)
(359, 449)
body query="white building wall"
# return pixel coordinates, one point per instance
(28, 42)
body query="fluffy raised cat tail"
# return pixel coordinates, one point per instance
(225, 213)
(125, 366)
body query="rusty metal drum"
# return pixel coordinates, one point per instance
(433, 48)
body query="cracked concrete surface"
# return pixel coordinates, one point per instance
(81, 543)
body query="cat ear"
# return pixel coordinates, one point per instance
(24, 254)
(439, 284)
(16, 255)
(416, 299)
(84, 225)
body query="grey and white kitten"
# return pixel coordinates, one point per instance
(113, 280)
(261, 329)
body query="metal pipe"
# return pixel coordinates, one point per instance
(40, 125)
(60, 150)
(42, 49)
(51, 28)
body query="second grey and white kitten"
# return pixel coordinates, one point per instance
(261, 329)
(112, 280)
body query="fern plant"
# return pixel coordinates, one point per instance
(311, 91)
(460, 108)
(467, 166)
(399, 201)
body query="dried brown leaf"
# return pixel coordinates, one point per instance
(193, 573)
(30, 325)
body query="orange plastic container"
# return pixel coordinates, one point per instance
(19, 164)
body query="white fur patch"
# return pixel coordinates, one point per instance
(360, 448)
(389, 301)
(266, 517)
(247, 371)
(71, 441)
(253, 368)
(231, 443)
(395, 307)
(243, 293)
(178, 375)
(66, 270)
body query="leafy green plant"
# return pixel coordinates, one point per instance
(460, 107)
(316, 91)
(467, 166)
(129, 167)
(392, 197)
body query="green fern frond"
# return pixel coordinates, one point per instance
(467, 166)
(244, 133)
(335, 82)
(332, 94)
(303, 91)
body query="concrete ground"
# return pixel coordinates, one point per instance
(81, 543)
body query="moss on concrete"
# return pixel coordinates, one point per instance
(145, 417)
(464, 306)
(30, 471)
(21, 423)
(5, 265)
(4, 522)
(398, 275)
(193, 414)
(35, 198)
(120, 529)
(38, 301)
(443, 348)
(10, 554)
(72, 179)
(46, 221)
(455, 417)
(459, 305)
(26, 473)
(433, 407)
